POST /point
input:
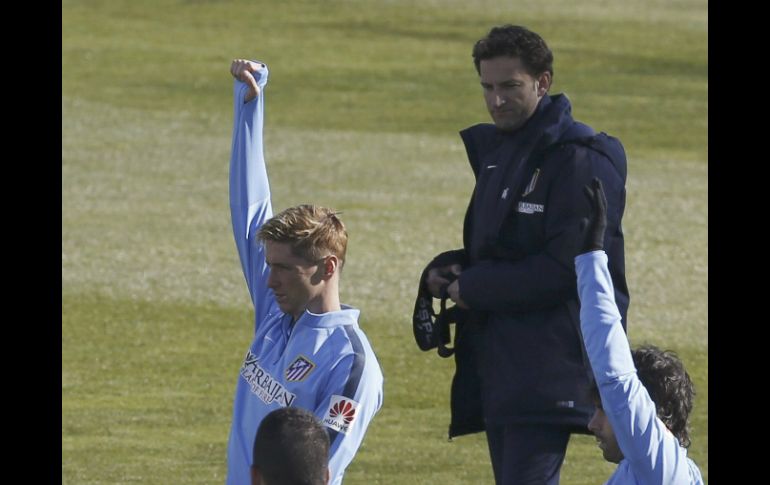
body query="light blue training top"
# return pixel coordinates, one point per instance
(322, 363)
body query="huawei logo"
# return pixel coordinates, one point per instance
(341, 414)
(343, 409)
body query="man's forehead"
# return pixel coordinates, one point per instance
(281, 252)
(500, 68)
(500, 61)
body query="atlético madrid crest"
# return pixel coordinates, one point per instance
(531, 186)
(299, 369)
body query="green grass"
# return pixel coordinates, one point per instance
(363, 106)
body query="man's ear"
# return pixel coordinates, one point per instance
(328, 475)
(331, 265)
(543, 83)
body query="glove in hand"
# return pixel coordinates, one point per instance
(593, 226)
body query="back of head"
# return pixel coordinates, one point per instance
(312, 231)
(291, 448)
(669, 386)
(515, 41)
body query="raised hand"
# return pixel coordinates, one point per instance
(242, 69)
(593, 226)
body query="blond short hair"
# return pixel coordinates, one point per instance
(312, 231)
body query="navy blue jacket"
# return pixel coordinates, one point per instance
(521, 229)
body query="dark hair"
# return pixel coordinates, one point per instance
(515, 41)
(669, 386)
(291, 448)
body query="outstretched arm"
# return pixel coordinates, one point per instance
(606, 342)
(652, 451)
(249, 188)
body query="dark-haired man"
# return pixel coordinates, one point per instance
(518, 345)
(643, 397)
(291, 447)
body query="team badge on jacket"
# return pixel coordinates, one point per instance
(531, 186)
(299, 369)
(341, 414)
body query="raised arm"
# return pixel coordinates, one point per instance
(249, 188)
(650, 449)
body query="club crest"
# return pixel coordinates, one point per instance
(299, 369)
(531, 186)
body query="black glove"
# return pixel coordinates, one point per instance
(593, 226)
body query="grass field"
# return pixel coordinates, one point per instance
(363, 108)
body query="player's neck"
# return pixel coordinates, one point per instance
(326, 301)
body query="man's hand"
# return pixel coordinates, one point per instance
(453, 290)
(593, 226)
(446, 277)
(438, 278)
(241, 70)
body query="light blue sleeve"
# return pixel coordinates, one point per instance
(250, 191)
(652, 451)
(356, 379)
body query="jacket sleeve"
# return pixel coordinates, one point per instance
(546, 278)
(250, 203)
(652, 451)
(354, 392)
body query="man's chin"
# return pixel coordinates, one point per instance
(286, 308)
(611, 457)
(506, 125)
